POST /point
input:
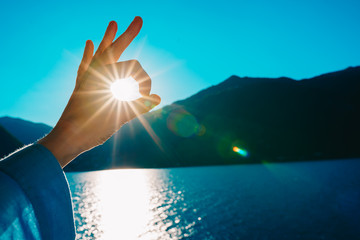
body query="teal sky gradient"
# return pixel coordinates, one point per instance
(185, 46)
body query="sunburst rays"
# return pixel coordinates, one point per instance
(104, 103)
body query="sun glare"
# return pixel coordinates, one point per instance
(125, 89)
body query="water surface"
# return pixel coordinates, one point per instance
(307, 200)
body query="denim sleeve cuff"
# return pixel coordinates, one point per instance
(43, 181)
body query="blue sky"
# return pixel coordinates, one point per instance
(185, 46)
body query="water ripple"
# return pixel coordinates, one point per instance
(318, 200)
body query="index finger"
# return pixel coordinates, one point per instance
(114, 51)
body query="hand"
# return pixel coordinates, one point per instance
(92, 114)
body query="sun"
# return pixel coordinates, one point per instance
(125, 89)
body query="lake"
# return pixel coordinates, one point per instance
(303, 200)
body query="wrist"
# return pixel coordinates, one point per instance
(60, 143)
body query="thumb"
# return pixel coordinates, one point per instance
(146, 103)
(134, 109)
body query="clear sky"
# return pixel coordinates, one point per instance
(185, 46)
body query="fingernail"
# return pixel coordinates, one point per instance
(112, 24)
(137, 18)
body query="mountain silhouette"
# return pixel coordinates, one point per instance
(242, 120)
(8, 143)
(26, 131)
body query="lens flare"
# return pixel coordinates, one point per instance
(125, 89)
(183, 124)
(240, 151)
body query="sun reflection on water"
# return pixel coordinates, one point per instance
(131, 204)
(233, 202)
(124, 204)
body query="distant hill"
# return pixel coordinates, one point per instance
(263, 119)
(8, 143)
(26, 131)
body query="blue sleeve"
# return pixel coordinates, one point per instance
(42, 181)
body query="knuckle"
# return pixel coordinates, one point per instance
(135, 63)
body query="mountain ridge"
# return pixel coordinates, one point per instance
(269, 119)
(273, 119)
(26, 131)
